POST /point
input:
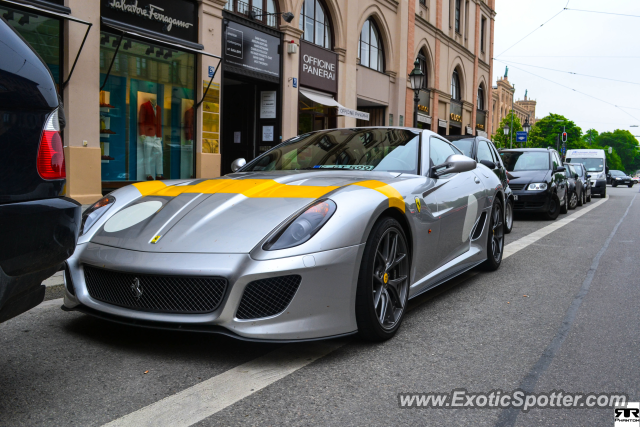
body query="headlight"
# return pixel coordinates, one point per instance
(537, 186)
(304, 227)
(618, 178)
(93, 214)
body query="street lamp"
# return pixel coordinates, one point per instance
(506, 129)
(416, 77)
(526, 126)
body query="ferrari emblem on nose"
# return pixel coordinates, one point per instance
(136, 288)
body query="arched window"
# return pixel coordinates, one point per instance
(260, 7)
(480, 100)
(423, 67)
(314, 21)
(455, 86)
(370, 47)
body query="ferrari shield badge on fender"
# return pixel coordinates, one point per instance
(418, 204)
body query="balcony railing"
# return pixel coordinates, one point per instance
(242, 8)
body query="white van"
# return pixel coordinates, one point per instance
(595, 162)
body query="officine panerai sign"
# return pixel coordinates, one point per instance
(318, 68)
(177, 18)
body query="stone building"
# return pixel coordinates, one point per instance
(175, 89)
(503, 102)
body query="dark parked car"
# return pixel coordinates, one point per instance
(483, 151)
(575, 187)
(39, 227)
(537, 178)
(615, 178)
(584, 178)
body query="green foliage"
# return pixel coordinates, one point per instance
(500, 139)
(613, 160)
(625, 155)
(589, 137)
(546, 130)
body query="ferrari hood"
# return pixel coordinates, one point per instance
(226, 215)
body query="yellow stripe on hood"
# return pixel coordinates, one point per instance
(267, 188)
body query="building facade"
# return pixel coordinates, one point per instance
(503, 102)
(178, 89)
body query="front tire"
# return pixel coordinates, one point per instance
(589, 198)
(604, 193)
(554, 208)
(495, 239)
(573, 201)
(508, 217)
(383, 282)
(565, 206)
(581, 199)
(630, 185)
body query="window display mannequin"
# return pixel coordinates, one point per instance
(150, 131)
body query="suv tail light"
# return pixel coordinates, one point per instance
(51, 153)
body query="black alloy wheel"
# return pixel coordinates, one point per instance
(573, 200)
(383, 282)
(495, 239)
(554, 208)
(564, 208)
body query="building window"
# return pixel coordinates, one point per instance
(262, 9)
(315, 24)
(370, 48)
(455, 86)
(482, 30)
(423, 67)
(423, 2)
(457, 16)
(480, 100)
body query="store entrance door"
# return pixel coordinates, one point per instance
(249, 119)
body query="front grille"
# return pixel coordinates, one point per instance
(158, 294)
(267, 297)
(517, 186)
(528, 205)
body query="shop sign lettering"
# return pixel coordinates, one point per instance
(150, 11)
(318, 68)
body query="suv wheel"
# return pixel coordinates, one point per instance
(554, 208)
(565, 206)
(508, 217)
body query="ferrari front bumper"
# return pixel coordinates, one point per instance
(322, 307)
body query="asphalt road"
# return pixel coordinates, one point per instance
(577, 330)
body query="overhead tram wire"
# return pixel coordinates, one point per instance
(570, 88)
(604, 13)
(570, 72)
(568, 56)
(548, 20)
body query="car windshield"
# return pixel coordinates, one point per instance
(592, 165)
(578, 169)
(617, 173)
(525, 160)
(381, 150)
(464, 145)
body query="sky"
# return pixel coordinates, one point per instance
(594, 44)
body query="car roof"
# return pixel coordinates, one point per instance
(528, 149)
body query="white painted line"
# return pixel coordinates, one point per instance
(527, 240)
(203, 400)
(213, 395)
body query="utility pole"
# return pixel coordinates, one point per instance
(512, 96)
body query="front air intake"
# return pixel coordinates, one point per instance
(267, 297)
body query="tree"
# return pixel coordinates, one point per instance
(624, 145)
(504, 141)
(613, 160)
(546, 130)
(590, 137)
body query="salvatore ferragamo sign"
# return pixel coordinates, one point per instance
(177, 18)
(318, 68)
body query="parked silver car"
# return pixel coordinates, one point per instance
(327, 234)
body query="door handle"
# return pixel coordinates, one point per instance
(477, 180)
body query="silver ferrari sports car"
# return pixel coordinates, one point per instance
(327, 234)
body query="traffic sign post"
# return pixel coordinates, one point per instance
(521, 136)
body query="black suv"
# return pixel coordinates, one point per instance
(483, 151)
(537, 178)
(39, 227)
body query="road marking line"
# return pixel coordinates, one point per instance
(213, 395)
(527, 240)
(205, 399)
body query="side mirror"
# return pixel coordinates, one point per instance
(576, 176)
(237, 164)
(488, 163)
(561, 169)
(455, 163)
(588, 176)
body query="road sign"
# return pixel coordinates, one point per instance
(521, 136)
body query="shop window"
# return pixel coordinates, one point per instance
(313, 116)
(147, 111)
(42, 33)
(314, 21)
(262, 9)
(370, 47)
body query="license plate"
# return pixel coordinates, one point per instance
(515, 197)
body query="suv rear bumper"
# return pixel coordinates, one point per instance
(38, 237)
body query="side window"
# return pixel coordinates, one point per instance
(496, 156)
(439, 150)
(554, 160)
(484, 152)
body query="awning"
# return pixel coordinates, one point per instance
(176, 44)
(46, 12)
(328, 100)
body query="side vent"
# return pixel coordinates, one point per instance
(477, 231)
